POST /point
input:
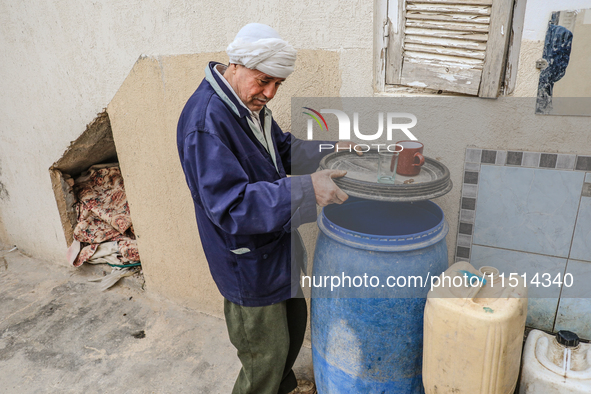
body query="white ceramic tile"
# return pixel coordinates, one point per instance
(472, 167)
(574, 314)
(473, 155)
(501, 157)
(530, 159)
(464, 240)
(566, 162)
(513, 262)
(542, 302)
(469, 190)
(541, 313)
(581, 246)
(466, 216)
(531, 210)
(574, 310)
(580, 272)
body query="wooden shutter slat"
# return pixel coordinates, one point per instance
(466, 2)
(444, 77)
(432, 58)
(417, 31)
(444, 51)
(445, 42)
(448, 26)
(454, 18)
(449, 9)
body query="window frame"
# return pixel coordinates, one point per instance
(501, 59)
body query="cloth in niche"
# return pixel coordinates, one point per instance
(103, 214)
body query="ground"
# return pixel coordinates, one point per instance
(60, 334)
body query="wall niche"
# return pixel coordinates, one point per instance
(94, 146)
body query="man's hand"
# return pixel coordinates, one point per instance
(347, 146)
(325, 189)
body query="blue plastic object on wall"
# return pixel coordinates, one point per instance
(369, 338)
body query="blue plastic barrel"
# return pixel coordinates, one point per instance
(368, 337)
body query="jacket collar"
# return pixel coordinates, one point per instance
(227, 96)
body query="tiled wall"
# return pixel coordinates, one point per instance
(530, 212)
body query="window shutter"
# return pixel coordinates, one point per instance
(453, 45)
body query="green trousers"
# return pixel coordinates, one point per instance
(268, 340)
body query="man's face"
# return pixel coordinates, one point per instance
(255, 88)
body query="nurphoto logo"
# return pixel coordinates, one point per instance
(345, 127)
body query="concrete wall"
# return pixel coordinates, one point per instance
(64, 62)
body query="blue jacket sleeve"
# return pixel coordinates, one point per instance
(234, 203)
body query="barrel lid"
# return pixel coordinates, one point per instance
(567, 338)
(361, 179)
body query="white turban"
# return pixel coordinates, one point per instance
(260, 47)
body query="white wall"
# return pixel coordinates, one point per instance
(538, 14)
(63, 62)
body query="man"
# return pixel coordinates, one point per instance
(236, 160)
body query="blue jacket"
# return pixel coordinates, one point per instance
(245, 206)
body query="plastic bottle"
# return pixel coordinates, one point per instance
(473, 332)
(555, 364)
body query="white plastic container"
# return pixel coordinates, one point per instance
(473, 335)
(555, 364)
